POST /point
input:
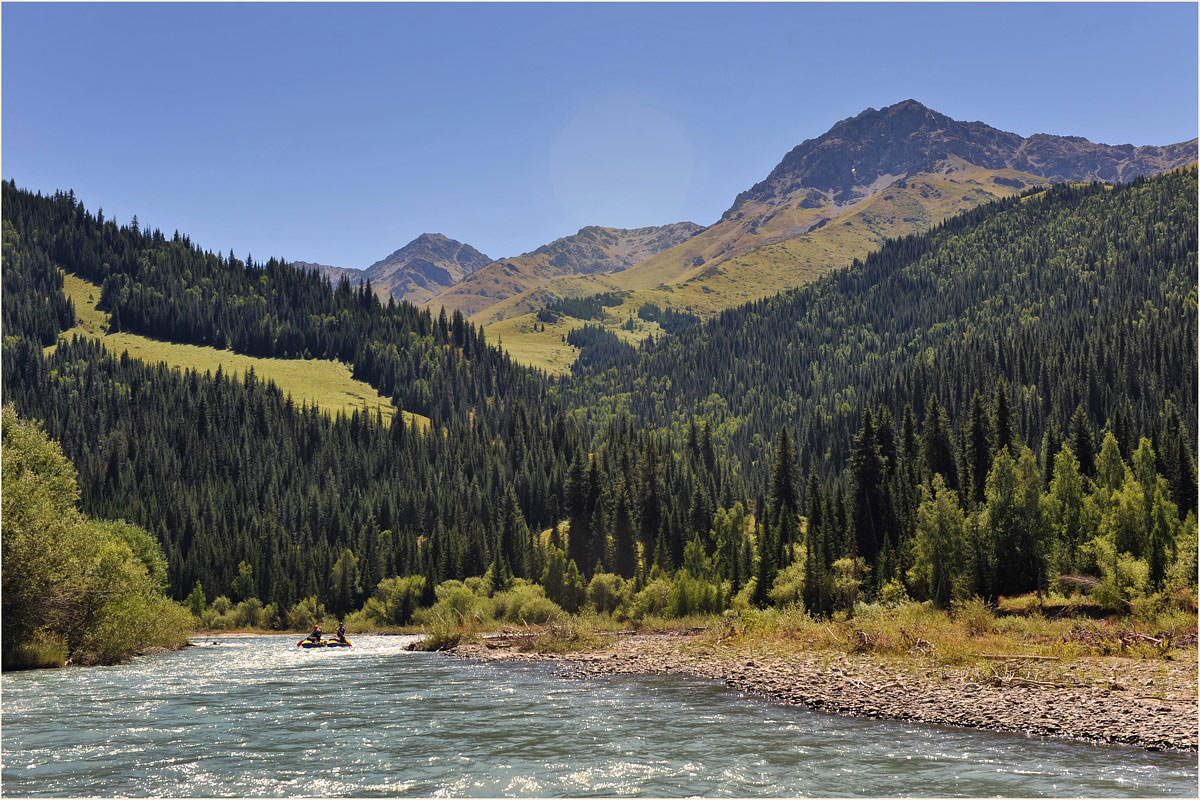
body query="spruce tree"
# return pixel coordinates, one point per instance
(1082, 443)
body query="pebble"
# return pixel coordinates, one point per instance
(856, 688)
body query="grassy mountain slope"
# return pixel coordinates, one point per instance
(593, 250)
(320, 382)
(834, 198)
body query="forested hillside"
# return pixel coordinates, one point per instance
(227, 472)
(974, 410)
(1082, 296)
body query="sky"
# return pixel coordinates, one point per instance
(338, 133)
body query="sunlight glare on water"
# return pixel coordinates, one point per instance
(257, 716)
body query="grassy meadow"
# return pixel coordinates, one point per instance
(326, 384)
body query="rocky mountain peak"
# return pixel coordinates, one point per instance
(432, 248)
(862, 154)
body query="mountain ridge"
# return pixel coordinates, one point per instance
(593, 250)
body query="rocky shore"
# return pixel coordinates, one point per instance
(1150, 704)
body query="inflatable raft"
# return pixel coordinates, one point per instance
(307, 643)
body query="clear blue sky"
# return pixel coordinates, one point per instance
(337, 133)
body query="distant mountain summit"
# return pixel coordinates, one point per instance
(854, 157)
(334, 274)
(881, 173)
(422, 268)
(425, 266)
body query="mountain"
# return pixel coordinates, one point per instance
(334, 274)
(1057, 293)
(878, 175)
(424, 267)
(1072, 310)
(593, 250)
(900, 150)
(157, 446)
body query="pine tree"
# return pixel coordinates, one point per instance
(979, 449)
(868, 503)
(936, 449)
(1082, 443)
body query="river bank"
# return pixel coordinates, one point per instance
(1141, 702)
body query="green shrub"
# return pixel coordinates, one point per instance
(525, 602)
(975, 616)
(394, 601)
(742, 601)
(221, 605)
(691, 595)
(892, 595)
(608, 592)
(303, 614)
(440, 636)
(539, 611)
(653, 600)
(456, 605)
(95, 586)
(1122, 577)
(788, 588)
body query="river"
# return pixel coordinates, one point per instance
(257, 716)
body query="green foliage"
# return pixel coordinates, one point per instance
(1122, 577)
(525, 603)
(196, 602)
(691, 596)
(144, 548)
(1073, 310)
(303, 615)
(457, 605)
(974, 615)
(893, 595)
(849, 574)
(940, 543)
(654, 599)
(395, 600)
(67, 579)
(250, 613)
(42, 650)
(586, 308)
(344, 581)
(669, 319)
(599, 348)
(242, 587)
(223, 605)
(788, 588)
(1183, 570)
(608, 592)
(1064, 505)
(562, 582)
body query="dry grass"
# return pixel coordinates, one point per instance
(970, 635)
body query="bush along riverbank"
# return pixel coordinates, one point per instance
(1104, 681)
(75, 590)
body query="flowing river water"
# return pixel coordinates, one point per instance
(257, 716)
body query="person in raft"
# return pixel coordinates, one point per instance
(341, 632)
(315, 636)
